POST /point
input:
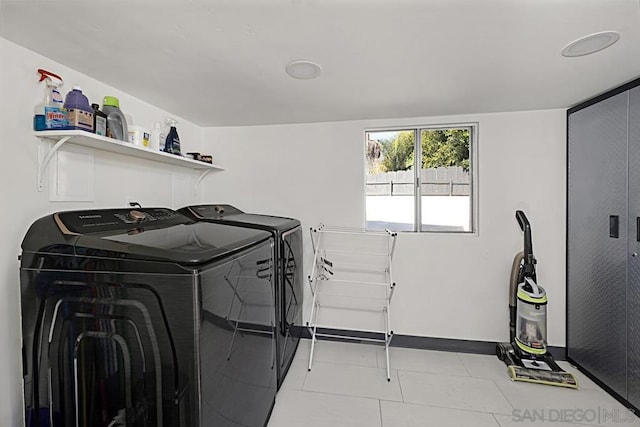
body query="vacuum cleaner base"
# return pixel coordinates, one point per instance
(557, 378)
(548, 373)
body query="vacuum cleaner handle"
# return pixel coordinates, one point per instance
(529, 260)
(523, 221)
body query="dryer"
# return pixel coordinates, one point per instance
(287, 235)
(146, 318)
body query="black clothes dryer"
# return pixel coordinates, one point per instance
(146, 318)
(287, 235)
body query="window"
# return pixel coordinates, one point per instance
(420, 179)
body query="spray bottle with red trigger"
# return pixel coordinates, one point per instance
(50, 114)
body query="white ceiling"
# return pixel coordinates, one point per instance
(222, 62)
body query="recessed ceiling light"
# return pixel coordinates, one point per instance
(304, 70)
(590, 44)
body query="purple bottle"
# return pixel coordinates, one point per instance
(79, 110)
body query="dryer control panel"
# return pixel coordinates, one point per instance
(113, 220)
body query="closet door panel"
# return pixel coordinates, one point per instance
(597, 240)
(633, 291)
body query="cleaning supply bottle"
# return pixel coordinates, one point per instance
(139, 135)
(164, 131)
(116, 122)
(79, 111)
(156, 138)
(99, 121)
(172, 140)
(50, 114)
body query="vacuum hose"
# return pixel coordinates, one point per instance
(513, 290)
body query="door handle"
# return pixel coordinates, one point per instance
(614, 226)
(638, 229)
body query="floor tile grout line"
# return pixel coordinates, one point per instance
(378, 349)
(352, 366)
(453, 407)
(349, 395)
(444, 375)
(304, 380)
(498, 423)
(464, 364)
(363, 365)
(503, 394)
(440, 374)
(400, 385)
(475, 411)
(344, 395)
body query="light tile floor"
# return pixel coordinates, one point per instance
(347, 386)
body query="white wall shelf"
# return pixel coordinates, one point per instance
(103, 143)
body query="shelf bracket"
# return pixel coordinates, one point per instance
(47, 158)
(199, 180)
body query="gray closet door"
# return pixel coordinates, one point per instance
(597, 263)
(633, 291)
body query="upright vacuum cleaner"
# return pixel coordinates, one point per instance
(526, 353)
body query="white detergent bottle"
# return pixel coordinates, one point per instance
(156, 139)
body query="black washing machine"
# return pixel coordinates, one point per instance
(287, 235)
(147, 318)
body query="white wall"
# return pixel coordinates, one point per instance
(452, 286)
(115, 177)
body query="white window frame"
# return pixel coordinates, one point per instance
(474, 131)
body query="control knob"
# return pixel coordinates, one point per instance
(137, 216)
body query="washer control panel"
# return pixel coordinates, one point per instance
(213, 211)
(114, 220)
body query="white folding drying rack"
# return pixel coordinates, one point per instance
(352, 285)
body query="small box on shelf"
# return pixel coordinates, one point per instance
(205, 158)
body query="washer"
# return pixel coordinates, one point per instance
(146, 318)
(287, 235)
